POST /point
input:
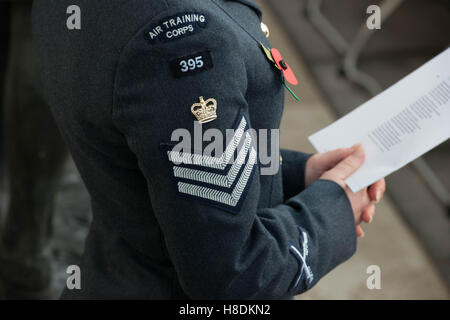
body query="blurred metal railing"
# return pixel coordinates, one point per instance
(351, 52)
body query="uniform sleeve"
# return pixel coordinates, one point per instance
(222, 245)
(293, 170)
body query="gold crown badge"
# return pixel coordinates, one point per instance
(205, 111)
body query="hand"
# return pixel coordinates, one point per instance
(337, 166)
(376, 192)
(319, 163)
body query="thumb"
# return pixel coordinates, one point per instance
(330, 159)
(350, 164)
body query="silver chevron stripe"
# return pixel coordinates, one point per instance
(230, 199)
(214, 178)
(208, 161)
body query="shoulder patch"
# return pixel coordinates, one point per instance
(192, 64)
(222, 181)
(178, 26)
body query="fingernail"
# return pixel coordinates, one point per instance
(370, 220)
(378, 197)
(362, 234)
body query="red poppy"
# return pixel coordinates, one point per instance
(284, 67)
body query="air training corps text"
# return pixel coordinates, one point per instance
(178, 26)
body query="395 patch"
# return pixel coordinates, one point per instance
(191, 64)
(178, 26)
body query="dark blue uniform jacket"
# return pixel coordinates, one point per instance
(165, 229)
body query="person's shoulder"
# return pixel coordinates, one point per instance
(185, 23)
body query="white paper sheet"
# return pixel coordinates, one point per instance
(396, 126)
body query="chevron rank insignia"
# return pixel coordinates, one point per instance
(222, 181)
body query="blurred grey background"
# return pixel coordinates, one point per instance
(341, 64)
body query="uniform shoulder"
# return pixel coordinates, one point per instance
(180, 20)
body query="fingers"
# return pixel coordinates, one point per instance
(359, 231)
(368, 214)
(319, 163)
(350, 164)
(376, 190)
(360, 201)
(330, 159)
